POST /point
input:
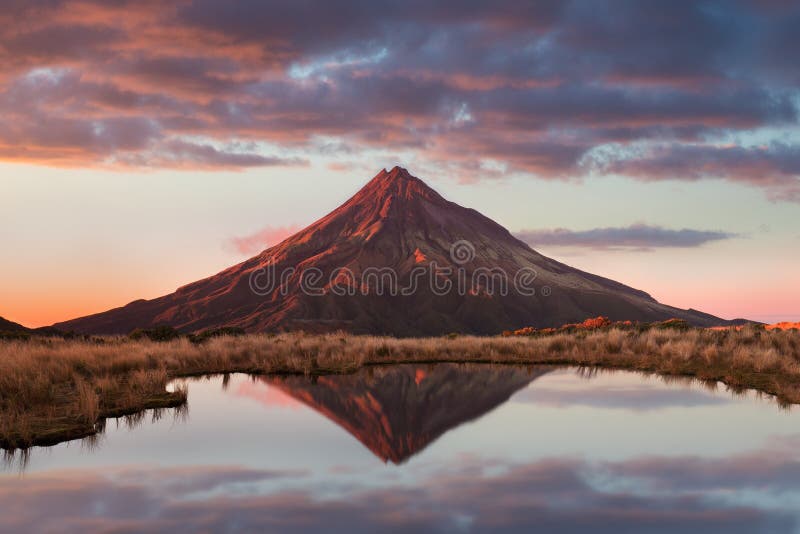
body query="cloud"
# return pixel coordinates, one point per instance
(635, 236)
(537, 87)
(616, 397)
(262, 239)
(647, 494)
(175, 153)
(775, 167)
(267, 395)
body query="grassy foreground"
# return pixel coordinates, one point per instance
(52, 389)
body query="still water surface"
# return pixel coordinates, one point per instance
(436, 448)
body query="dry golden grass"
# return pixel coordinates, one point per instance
(53, 389)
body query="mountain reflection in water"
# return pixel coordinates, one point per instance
(396, 411)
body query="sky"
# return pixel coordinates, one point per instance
(147, 144)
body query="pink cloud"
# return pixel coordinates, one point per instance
(267, 395)
(262, 239)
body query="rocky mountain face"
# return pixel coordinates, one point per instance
(396, 258)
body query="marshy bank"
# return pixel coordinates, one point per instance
(53, 389)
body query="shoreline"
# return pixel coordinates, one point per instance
(54, 390)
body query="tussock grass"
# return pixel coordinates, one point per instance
(55, 389)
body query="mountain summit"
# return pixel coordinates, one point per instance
(396, 258)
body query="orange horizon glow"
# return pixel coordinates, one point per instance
(34, 311)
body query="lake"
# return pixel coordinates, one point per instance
(425, 448)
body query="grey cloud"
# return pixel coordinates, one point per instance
(654, 495)
(774, 167)
(639, 399)
(635, 236)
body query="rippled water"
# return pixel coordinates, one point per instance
(426, 448)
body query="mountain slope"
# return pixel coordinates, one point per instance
(395, 222)
(11, 326)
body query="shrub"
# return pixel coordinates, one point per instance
(14, 336)
(595, 322)
(158, 333)
(671, 324)
(205, 335)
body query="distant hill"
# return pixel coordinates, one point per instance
(395, 222)
(11, 326)
(21, 332)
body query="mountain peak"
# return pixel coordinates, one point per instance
(396, 173)
(398, 183)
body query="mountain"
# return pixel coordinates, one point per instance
(11, 326)
(399, 224)
(16, 330)
(396, 411)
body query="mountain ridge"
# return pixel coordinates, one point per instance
(395, 222)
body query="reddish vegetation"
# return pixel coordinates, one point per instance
(783, 326)
(396, 222)
(591, 324)
(596, 323)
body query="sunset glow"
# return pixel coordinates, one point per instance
(144, 145)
